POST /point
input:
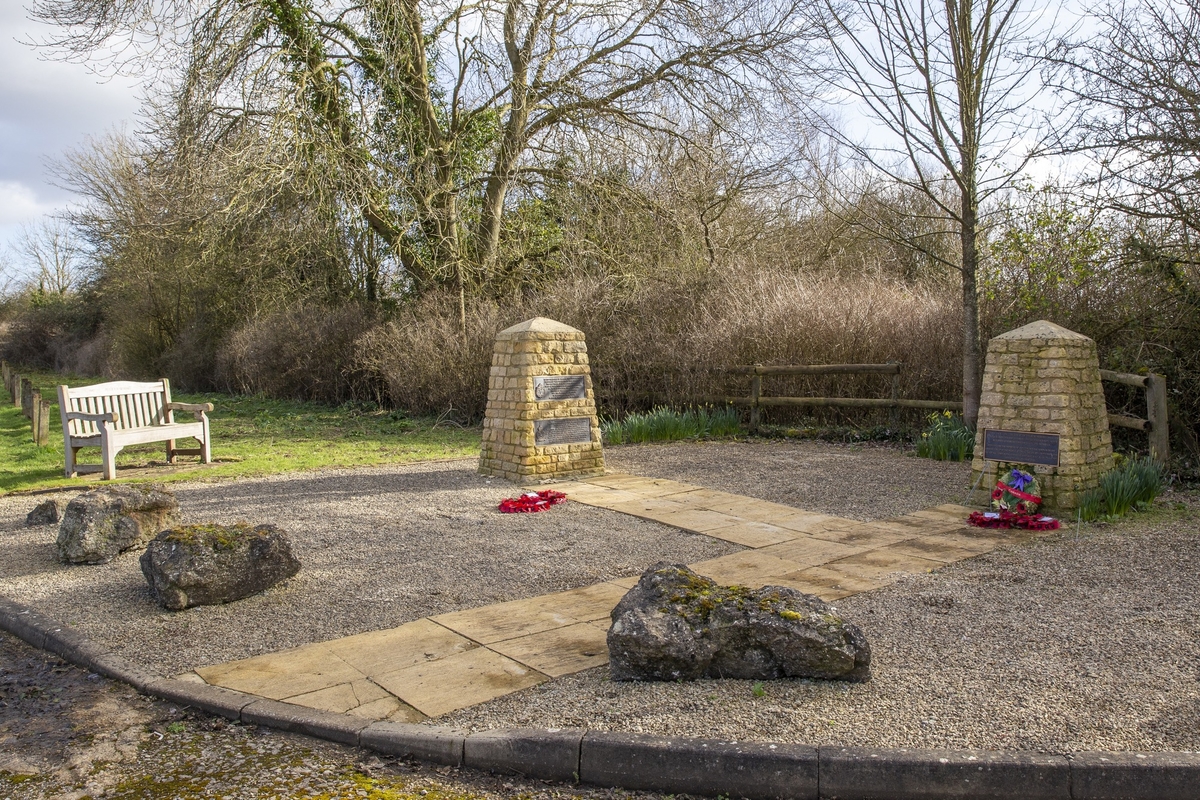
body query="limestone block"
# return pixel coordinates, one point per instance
(537, 347)
(1043, 378)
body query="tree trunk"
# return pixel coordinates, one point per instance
(972, 351)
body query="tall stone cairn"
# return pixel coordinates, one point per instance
(1043, 378)
(513, 448)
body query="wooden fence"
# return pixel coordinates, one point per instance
(1156, 424)
(1155, 386)
(30, 401)
(757, 400)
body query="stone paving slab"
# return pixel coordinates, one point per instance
(561, 651)
(450, 661)
(457, 681)
(752, 534)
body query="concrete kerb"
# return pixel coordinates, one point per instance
(674, 765)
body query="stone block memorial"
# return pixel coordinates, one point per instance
(1043, 409)
(541, 421)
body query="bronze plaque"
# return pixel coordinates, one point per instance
(559, 387)
(1019, 447)
(569, 430)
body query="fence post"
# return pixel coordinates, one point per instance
(35, 418)
(1156, 413)
(15, 388)
(894, 414)
(27, 398)
(755, 393)
(41, 430)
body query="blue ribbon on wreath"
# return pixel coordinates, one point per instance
(1019, 480)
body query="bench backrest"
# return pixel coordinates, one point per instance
(137, 405)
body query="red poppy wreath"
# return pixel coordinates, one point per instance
(1015, 504)
(532, 501)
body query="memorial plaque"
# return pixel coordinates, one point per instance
(560, 387)
(569, 430)
(1018, 447)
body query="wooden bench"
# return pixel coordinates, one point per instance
(114, 415)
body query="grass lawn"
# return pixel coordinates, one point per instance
(251, 436)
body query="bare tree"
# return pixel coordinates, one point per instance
(426, 114)
(52, 256)
(945, 89)
(1135, 88)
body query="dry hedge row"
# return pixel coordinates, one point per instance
(656, 344)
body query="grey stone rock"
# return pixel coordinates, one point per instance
(677, 625)
(47, 512)
(202, 565)
(100, 524)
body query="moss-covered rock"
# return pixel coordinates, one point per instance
(677, 625)
(100, 524)
(200, 565)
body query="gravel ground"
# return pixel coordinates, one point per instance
(1082, 640)
(380, 547)
(1074, 642)
(861, 481)
(69, 735)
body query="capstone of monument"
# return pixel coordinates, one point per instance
(677, 625)
(1042, 403)
(47, 512)
(100, 524)
(203, 565)
(541, 421)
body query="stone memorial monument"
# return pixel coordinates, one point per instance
(1043, 408)
(541, 414)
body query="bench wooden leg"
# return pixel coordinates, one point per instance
(206, 445)
(70, 456)
(108, 455)
(170, 451)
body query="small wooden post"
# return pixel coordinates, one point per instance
(41, 429)
(15, 388)
(894, 414)
(35, 406)
(1156, 413)
(27, 398)
(755, 393)
(6, 372)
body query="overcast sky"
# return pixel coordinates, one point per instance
(46, 108)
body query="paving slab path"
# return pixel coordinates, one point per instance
(443, 663)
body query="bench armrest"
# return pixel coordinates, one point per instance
(111, 416)
(197, 407)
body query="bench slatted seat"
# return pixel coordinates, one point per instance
(114, 415)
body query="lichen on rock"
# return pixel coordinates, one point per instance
(209, 564)
(100, 524)
(677, 625)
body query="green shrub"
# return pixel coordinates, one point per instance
(1131, 486)
(946, 439)
(1091, 505)
(662, 424)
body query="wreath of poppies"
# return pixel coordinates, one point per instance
(1015, 504)
(531, 502)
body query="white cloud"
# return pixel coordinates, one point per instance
(19, 204)
(46, 109)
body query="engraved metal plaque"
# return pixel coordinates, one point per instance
(560, 387)
(570, 430)
(1018, 447)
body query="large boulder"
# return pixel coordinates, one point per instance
(100, 524)
(47, 512)
(203, 565)
(677, 625)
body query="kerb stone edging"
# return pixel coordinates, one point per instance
(755, 770)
